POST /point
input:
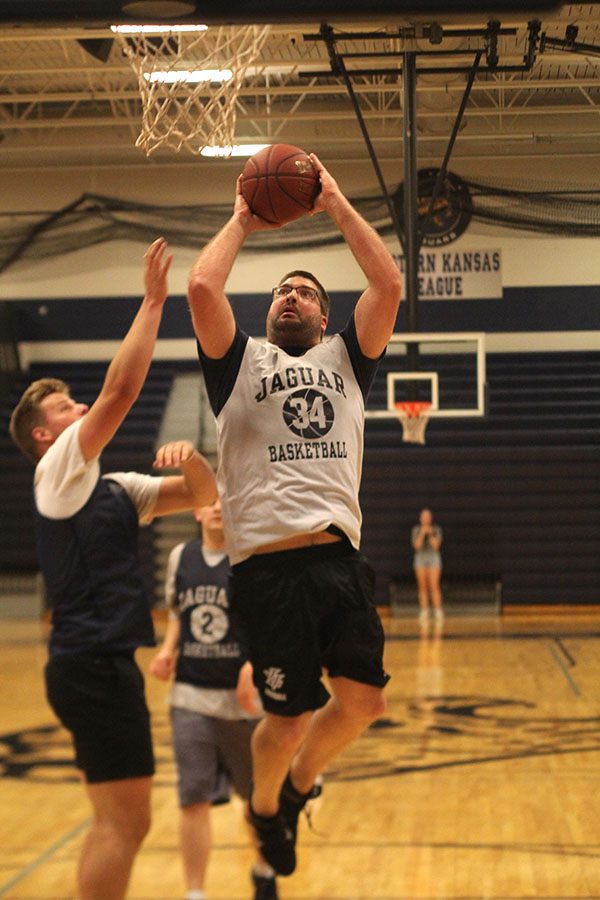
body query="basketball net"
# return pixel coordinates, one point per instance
(179, 112)
(414, 419)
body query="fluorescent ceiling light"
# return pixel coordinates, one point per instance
(155, 29)
(192, 76)
(235, 150)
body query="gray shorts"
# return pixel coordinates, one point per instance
(428, 559)
(211, 754)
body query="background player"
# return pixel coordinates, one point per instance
(290, 419)
(214, 704)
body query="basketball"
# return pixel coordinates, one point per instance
(280, 183)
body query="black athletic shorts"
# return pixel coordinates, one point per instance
(305, 610)
(100, 700)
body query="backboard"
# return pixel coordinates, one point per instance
(446, 370)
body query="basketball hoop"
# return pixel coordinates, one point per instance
(414, 419)
(189, 83)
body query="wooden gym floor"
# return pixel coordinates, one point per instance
(482, 780)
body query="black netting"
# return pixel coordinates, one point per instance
(566, 210)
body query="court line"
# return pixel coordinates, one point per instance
(565, 651)
(43, 857)
(339, 777)
(559, 656)
(487, 895)
(498, 638)
(572, 851)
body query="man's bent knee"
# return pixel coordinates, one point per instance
(369, 707)
(360, 701)
(123, 807)
(130, 829)
(378, 706)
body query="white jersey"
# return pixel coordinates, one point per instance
(290, 432)
(64, 480)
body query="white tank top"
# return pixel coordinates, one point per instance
(290, 446)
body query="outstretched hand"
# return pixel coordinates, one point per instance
(173, 455)
(156, 269)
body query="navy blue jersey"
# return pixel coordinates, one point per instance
(210, 653)
(90, 566)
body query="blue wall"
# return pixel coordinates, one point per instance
(521, 309)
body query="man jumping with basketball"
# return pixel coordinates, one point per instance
(290, 421)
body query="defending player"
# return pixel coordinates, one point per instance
(87, 543)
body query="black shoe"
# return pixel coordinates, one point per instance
(264, 888)
(275, 840)
(291, 803)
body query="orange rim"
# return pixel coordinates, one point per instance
(412, 408)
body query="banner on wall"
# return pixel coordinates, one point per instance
(446, 274)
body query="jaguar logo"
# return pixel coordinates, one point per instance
(452, 211)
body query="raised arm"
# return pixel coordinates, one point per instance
(127, 372)
(377, 307)
(212, 316)
(196, 486)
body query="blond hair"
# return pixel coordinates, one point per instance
(28, 413)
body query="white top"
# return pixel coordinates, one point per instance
(291, 446)
(64, 480)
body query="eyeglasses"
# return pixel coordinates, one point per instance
(303, 290)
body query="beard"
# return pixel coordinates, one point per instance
(293, 332)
